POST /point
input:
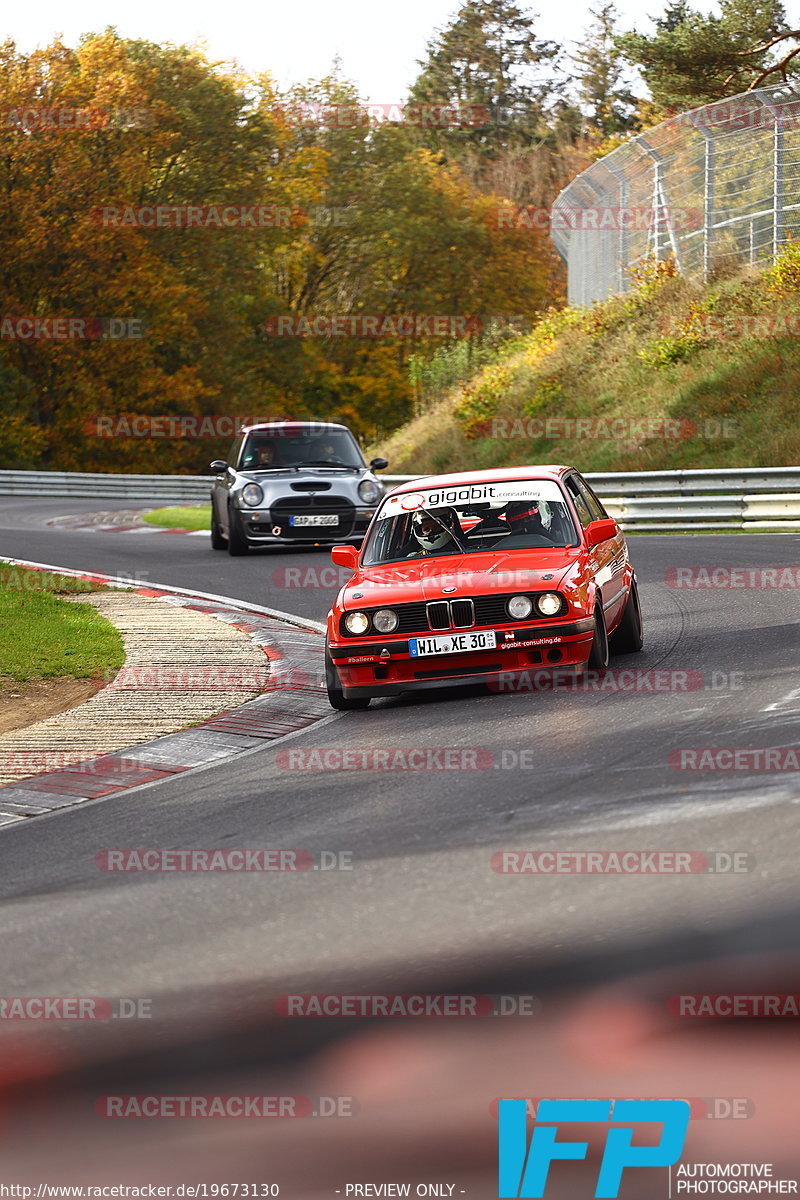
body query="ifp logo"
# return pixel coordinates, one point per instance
(523, 1171)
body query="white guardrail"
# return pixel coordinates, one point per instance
(731, 498)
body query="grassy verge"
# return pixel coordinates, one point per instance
(195, 516)
(45, 635)
(709, 368)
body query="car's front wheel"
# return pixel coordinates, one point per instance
(237, 542)
(218, 542)
(598, 655)
(627, 637)
(336, 697)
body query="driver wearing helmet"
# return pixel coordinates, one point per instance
(526, 516)
(431, 531)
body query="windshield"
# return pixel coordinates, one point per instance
(292, 447)
(516, 515)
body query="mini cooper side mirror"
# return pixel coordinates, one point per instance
(600, 531)
(345, 556)
(218, 465)
(379, 464)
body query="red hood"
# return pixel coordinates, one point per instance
(470, 575)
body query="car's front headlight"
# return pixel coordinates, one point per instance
(252, 495)
(369, 491)
(356, 622)
(519, 607)
(385, 620)
(549, 603)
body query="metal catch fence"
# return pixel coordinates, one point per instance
(717, 184)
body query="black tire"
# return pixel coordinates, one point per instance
(218, 542)
(627, 637)
(598, 655)
(336, 697)
(237, 542)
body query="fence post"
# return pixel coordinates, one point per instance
(660, 201)
(622, 236)
(778, 157)
(778, 186)
(709, 168)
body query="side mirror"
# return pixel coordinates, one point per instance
(345, 556)
(600, 531)
(379, 464)
(218, 466)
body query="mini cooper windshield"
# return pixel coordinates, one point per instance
(507, 515)
(266, 450)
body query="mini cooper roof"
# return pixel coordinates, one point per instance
(270, 426)
(462, 477)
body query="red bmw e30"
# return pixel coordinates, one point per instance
(480, 577)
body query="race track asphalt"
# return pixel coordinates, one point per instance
(570, 770)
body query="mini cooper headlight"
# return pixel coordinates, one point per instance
(356, 622)
(252, 495)
(385, 620)
(519, 607)
(369, 492)
(549, 603)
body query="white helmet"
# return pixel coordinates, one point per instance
(435, 538)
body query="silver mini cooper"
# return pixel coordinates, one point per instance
(292, 483)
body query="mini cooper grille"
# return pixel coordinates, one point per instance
(281, 510)
(435, 615)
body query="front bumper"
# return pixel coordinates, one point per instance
(365, 669)
(257, 527)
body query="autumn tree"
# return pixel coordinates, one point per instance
(602, 77)
(489, 61)
(694, 58)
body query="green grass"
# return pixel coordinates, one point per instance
(643, 356)
(45, 635)
(195, 516)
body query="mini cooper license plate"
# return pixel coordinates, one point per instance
(315, 519)
(452, 643)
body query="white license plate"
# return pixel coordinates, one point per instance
(452, 643)
(315, 519)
